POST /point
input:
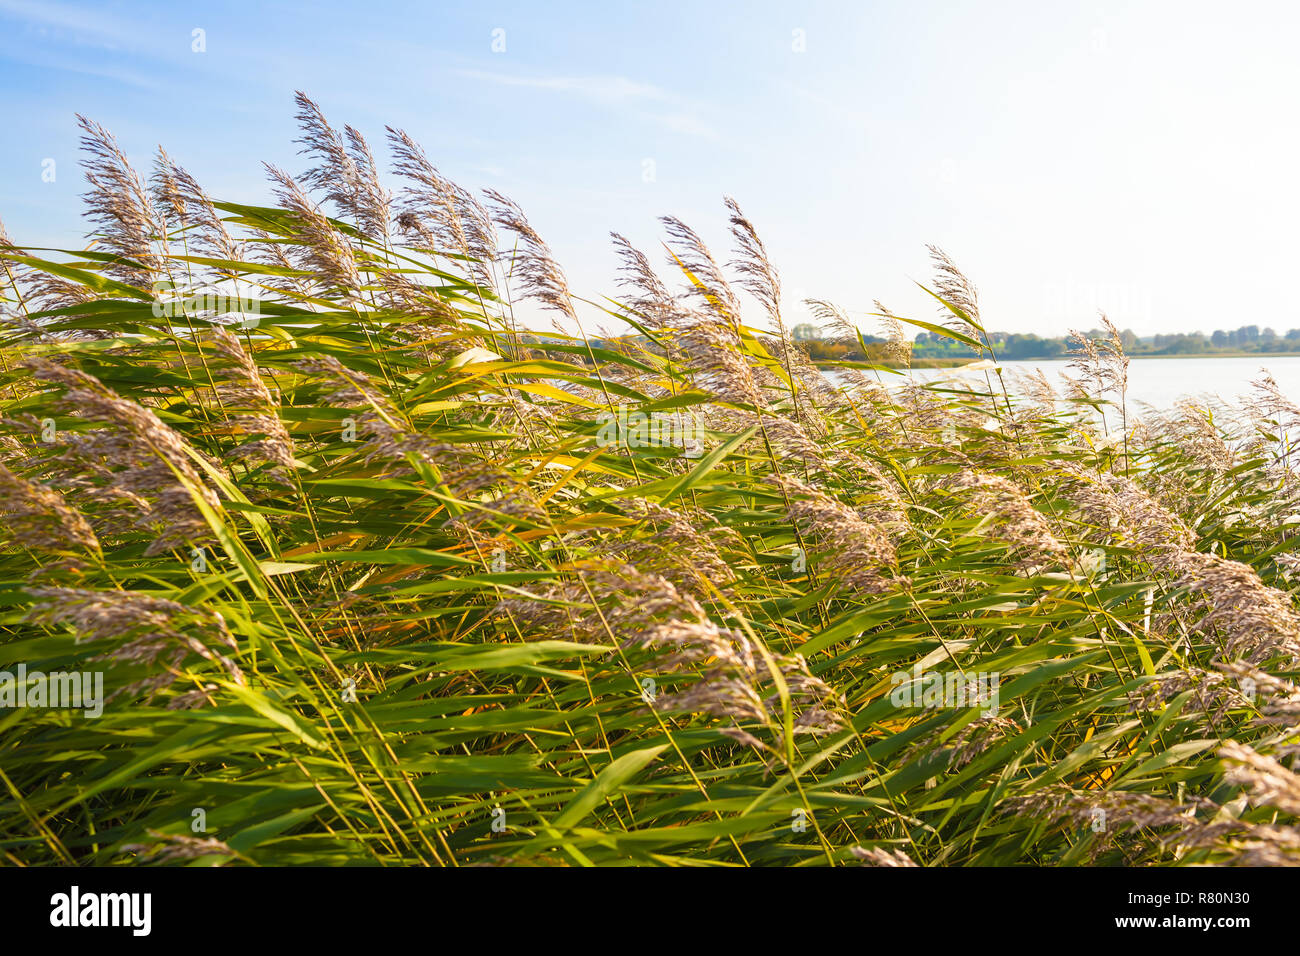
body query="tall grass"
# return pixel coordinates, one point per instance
(369, 583)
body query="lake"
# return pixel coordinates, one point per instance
(1159, 382)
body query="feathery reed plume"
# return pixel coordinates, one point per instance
(323, 250)
(1035, 388)
(636, 599)
(191, 699)
(1253, 621)
(1273, 412)
(1122, 811)
(495, 583)
(897, 342)
(403, 295)
(817, 703)
(838, 321)
(1122, 508)
(760, 277)
(656, 616)
(179, 848)
(652, 298)
(695, 641)
(1087, 359)
(1009, 515)
(337, 172)
(1278, 699)
(879, 498)
(875, 856)
(288, 278)
(8, 268)
(177, 190)
(792, 355)
(390, 437)
(793, 441)
(1267, 780)
(686, 548)
(246, 389)
(828, 312)
(705, 279)
(148, 630)
(480, 234)
(542, 277)
(1271, 404)
(732, 691)
(953, 286)
(38, 517)
(516, 503)
(345, 171)
(428, 208)
(977, 737)
(119, 203)
(137, 459)
(719, 695)
(443, 215)
(1212, 693)
(388, 433)
(374, 206)
(712, 350)
(919, 408)
(858, 553)
(164, 188)
(815, 386)
(1103, 367)
(1260, 845)
(1191, 426)
(1114, 360)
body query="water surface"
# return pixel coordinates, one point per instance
(1159, 382)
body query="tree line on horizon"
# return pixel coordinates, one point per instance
(1014, 345)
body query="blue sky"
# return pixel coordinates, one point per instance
(1137, 157)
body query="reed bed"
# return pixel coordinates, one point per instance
(376, 574)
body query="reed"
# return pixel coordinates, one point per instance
(368, 584)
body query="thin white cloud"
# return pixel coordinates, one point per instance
(104, 71)
(86, 25)
(663, 108)
(687, 123)
(601, 89)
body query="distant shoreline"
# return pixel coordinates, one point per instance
(924, 363)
